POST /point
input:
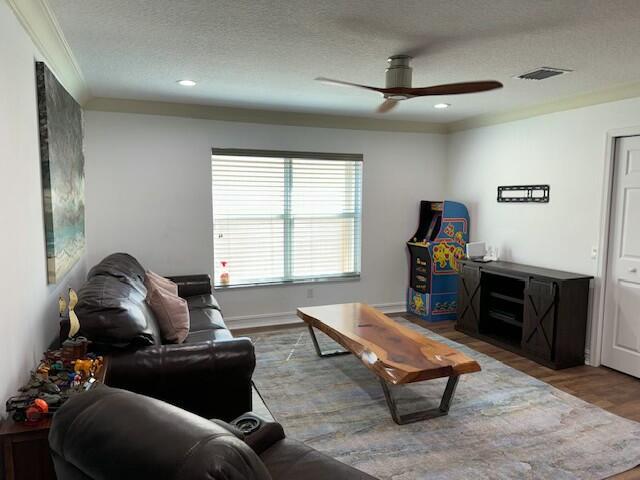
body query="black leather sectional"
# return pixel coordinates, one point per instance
(109, 433)
(209, 374)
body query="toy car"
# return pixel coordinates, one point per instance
(17, 407)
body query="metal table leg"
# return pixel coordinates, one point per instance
(331, 353)
(443, 409)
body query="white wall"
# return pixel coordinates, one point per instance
(565, 150)
(148, 182)
(29, 306)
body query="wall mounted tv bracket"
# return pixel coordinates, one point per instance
(523, 194)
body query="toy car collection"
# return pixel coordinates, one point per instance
(53, 382)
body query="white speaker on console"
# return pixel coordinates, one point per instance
(476, 250)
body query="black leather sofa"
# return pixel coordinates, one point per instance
(107, 434)
(209, 374)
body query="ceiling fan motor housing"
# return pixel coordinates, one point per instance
(398, 74)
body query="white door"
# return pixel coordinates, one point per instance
(621, 343)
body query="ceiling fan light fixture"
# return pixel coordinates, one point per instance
(187, 83)
(399, 87)
(398, 97)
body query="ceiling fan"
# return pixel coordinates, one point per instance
(398, 80)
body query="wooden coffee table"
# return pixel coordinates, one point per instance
(395, 353)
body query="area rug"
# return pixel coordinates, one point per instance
(503, 424)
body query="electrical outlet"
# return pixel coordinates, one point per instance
(594, 253)
(309, 292)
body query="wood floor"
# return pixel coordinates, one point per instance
(609, 389)
(606, 388)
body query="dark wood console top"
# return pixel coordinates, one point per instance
(518, 269)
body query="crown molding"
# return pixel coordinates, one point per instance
(40, 23)
(232, 114)
(580, 101)
(245, 115)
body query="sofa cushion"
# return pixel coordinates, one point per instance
(122, 266)
(114, 314)
(205, 319)
(203, 301)
(208, 335)
(159, 281)
(171, 311)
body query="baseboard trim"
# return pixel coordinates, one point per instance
(587, 357)
(290, 319)
(243, 322)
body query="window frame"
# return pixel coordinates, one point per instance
(289, 218)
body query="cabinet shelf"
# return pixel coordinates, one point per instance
(507, 298)
(505, 317)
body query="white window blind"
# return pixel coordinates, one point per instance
(285, 216)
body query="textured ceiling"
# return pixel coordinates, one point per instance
(265, 53)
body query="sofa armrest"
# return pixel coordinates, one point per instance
(108, 433)
(269, 433)
(211, 379)
(190, 285)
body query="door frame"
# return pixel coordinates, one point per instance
(600, 281)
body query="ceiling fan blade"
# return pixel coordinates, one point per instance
(454, 88)
(341, 83)
(388, 104)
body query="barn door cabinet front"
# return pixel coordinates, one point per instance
(469, 298)
(538, 332)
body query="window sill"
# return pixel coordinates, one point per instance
(308, 281)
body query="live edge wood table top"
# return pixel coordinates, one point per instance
(397, 354)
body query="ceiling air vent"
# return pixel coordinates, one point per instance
(542, 73)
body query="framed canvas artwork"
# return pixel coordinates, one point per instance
(62, 166)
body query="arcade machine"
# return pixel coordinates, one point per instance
(435, 249)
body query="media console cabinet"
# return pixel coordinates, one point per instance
(536, 312)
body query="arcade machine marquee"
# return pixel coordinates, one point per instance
(435, 249)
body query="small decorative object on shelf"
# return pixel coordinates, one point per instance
(493, 254)
(73, 348)
(74, 322)
(224, 272)
(87, 367)
(37, 410)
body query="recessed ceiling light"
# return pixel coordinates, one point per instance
(187, 83)
(442, 105)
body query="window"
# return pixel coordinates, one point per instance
(283, 217)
